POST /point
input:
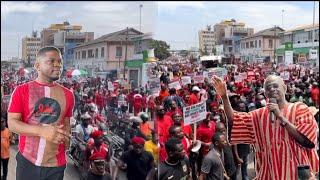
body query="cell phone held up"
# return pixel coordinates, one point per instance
(304, 172)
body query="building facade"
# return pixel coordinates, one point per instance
(259, 46)
(206, 40)
(227, 32)
(30, 47)
(65, 37)
(302, 41)
(106, 53)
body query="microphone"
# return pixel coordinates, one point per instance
(272, 117)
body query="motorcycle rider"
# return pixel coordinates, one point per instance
(97, 155)
(82, 134)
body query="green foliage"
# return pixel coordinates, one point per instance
(160, 49)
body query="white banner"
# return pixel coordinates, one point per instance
(238, 78)
(194, 113)
(198, 79)
(220, 72)
(120, 103)
(285, 75)
(110, 86)
(154, 85)
(175, 85)
(185, 80)
(288, 58)
(313, 54)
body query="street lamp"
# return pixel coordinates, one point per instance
(282, 17)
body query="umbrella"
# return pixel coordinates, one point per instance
(76, 72)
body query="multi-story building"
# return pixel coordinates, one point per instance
(206, 40)
(227, 32)
(302, 41)
(30, 47)
(65, 37)
(106, 53)
(259, 46)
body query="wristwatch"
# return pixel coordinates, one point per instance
(283, 123)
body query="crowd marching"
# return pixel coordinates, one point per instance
(154, 141)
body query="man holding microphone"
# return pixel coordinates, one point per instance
(284, 134)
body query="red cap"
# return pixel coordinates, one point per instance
(137, 140)
(96, 134)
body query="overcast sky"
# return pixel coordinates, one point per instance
(177, 23)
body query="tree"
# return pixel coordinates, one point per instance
(160, 49)
(214, 50)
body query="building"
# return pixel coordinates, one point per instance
(302, 41)
(227, 32)
(65, 37)
(259, 46)
(106, 53)
(206, 40)
(30, 47)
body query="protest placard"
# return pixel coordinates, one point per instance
(238, 78)
(185, 80)
(194, 113)
(154, 85)
(285, 75)
(243, 75)
(198, 79)
(120, 103)
(175, 84)
(220, 72)
(110, 86)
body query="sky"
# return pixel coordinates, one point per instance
(177, 23)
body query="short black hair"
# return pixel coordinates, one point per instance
(45, 49)
(172, 91)
(172, 129)
(216, 137)
(170, 145)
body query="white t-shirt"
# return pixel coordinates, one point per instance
(79, 130)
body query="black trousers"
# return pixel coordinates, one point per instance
(4, 164)
(27, 171)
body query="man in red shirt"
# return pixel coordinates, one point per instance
(315, 94)
(205, 131)
(40, 111)
(194, 98)
(163, 122)
(97, 156)
(178, 120)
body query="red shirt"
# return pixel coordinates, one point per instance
(187, 130)
(205, 133)
(315, 95)
(171, 112)
(99, 99)
(42, 104)
(163, 126)
(193, 99)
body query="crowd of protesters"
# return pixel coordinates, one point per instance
(166, 150)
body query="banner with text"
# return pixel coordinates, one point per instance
(185, 80)
(194, 113)
(154, 85)
(175, 85)
(198, 79)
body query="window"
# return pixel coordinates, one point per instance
(84, 55)
(251, 44)
(255, 44)
(270, 43)
(90, 53)
(118, 51)
(259, 43)
(102, 52)
(247, 45)
(96, 54)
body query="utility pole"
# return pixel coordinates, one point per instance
(140, 16)
(125, 57)
(274, 44)
(314, 7)
(282, 18)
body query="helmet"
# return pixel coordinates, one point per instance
(92, 107)
(144, 116)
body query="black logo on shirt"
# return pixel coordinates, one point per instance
(47, 110)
